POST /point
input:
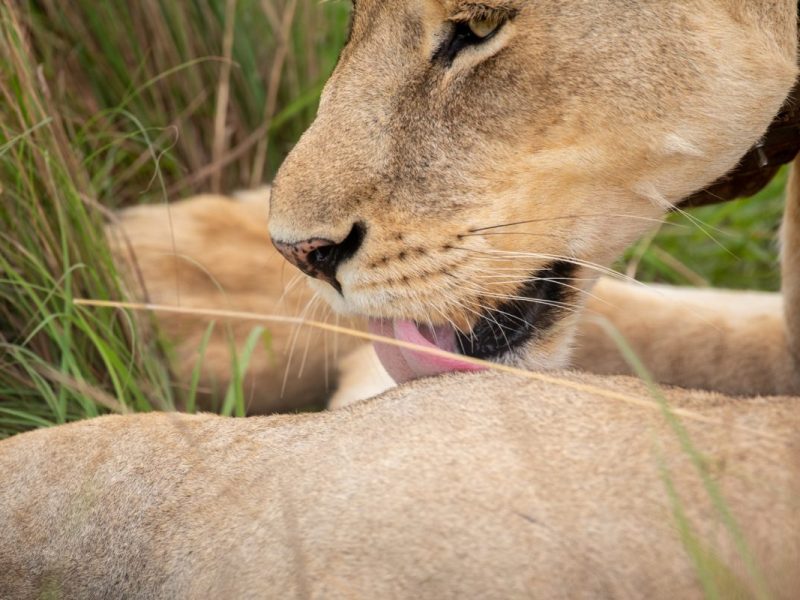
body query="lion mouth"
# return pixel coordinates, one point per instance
(404, 364)
(525, 317)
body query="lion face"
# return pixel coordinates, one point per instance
(474, 166)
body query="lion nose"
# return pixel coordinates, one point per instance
(321, 258)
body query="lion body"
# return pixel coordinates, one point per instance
(214, 251)
(481, 486)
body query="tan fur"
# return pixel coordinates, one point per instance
(738, 339)
(484, 486)
(481, 485)
(587, 158)
(564, 122)
(790, 259)
(213, 251)
(362, 376)
(734, 342)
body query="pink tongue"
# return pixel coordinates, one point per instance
(403, 364)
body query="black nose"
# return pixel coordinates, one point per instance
(322, 258)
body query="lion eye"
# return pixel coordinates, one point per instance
(483, 28)
(465, 34)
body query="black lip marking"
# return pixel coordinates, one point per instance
(321, 258)
(516, 322)
(324, 262)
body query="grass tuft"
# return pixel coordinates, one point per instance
(58, 361)
(104, 105)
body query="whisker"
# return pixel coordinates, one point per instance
(325, 353)
(336, 340)
(528, 233)
(289, 287)
(562, 281)
(552, 303)
(702, 227)
(295, 334)
(566, 217)
(453, 300)
(491, 311)
(504, 254)
(487, 294)
(303, 362)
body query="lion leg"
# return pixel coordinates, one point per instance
(361, 376)
(213, 252)
(722, 340)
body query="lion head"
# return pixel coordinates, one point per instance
(476, 165)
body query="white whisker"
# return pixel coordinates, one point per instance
(568, 217)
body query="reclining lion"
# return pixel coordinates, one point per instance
(214, 252)
(566, 127)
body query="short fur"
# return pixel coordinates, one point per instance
(734, 342)
(633, 136)
(486, 486)
(480, 485)
(214, 252)
(562, 138)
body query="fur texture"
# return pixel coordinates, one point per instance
(479, 485)
(484, 486)
(586, 143)
(560, 138)
(214, 252)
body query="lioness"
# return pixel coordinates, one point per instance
(502, 154)
(565, 127)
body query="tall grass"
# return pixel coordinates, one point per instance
(59, 362)
(104, 104)
(217, 90)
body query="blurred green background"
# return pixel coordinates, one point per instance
(108, 104)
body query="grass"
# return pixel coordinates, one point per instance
(216, 90)
(732, 245)
(110, 104)
(58, 362)
(117, 103)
